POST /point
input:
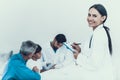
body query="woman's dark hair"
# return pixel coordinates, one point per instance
(39, 48)
(101, 9)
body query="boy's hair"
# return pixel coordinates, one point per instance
(39, 48)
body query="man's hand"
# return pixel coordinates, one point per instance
(35, 69)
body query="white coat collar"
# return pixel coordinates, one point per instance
(98, 27)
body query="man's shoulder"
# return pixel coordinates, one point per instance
(15, 59)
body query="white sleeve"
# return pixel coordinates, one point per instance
(31, 63)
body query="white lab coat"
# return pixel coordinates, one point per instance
(61, 58)
(97, 60)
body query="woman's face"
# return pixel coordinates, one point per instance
(95, 18)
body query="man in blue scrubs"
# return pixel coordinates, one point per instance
(16, 68)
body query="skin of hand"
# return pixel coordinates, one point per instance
(77, 50)
(76, 47)
(35, 69)
(76, 55)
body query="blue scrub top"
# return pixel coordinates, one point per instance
(16, 70)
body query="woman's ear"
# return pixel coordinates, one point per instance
(103, 18)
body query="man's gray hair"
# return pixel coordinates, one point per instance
(28, 47)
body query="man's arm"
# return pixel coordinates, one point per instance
(24, 73)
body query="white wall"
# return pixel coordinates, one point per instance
(41, 20)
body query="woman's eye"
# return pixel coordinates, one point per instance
(94, 15)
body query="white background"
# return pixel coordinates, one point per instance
(41, 20)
